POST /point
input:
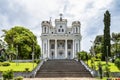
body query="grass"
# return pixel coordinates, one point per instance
(112, 66)
(105, 78)
(18, 68)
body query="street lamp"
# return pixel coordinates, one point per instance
(93, 51)
(16, 55)
(107, 55)
(33, 55)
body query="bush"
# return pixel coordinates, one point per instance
(0, 64)
(2, 59)
(107, 69)
(26, 69)
(117, 63)
(37, 61)
(19, 78)
(8, 75)
(6, 64)
(97, 59)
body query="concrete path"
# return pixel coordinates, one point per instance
(60, 79)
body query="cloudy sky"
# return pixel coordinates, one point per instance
(90, 13)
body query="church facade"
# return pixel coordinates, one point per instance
(60, 41)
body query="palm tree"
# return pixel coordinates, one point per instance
(11, 52)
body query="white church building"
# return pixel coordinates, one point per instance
(60, 41)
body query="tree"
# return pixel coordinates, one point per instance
(3, 46)
(11, 52)
(106, 41)
(116, 40)
(22, 39)
(117, 62)
(82, 55)
(98, 44)
(100, 70)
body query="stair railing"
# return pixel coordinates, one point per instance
(92, 72)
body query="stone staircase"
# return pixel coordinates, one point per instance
(62, 68)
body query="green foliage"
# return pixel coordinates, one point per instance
(37, 61)
(7, 75)
(19, 78)
(2, 58)
(23, 40)
(98, 44)
(112, 66)
(92, 63)
(106, 41)
(5, 64)
(116, 45)
(27, 69)
(18, 68)
(99, 56)
(100, 69)
(82, 55)
(117, 63)
(107, 69)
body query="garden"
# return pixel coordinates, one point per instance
(16, 67)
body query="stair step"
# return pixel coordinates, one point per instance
(62, 68)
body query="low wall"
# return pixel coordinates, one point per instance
(22, 60)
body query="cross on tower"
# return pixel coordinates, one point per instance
(61, 16)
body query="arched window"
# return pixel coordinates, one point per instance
(62, 30)
(45, 29)
(76, 30)
(58, 30)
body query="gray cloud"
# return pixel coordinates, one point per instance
(30, 13)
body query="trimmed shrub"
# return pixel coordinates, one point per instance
(6, 64)
(19, 78)
(37, 61)
(27, 69)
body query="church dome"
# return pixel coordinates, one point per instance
(45, 23)
(76, 23)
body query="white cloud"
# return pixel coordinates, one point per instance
(32, 12)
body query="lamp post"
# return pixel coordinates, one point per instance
(16, 55)
(93, 51)
(33, 55)
(107, 55)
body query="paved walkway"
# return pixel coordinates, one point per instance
(60, 79)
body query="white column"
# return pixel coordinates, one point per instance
(79, 46)
(48, 49)
(42, 50)
(66, 48)
(73, 49)
(55, 49)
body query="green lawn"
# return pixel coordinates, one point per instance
(112, 66)
(105, 78)
(20, 67)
